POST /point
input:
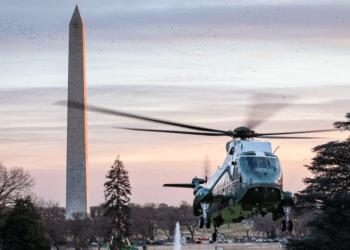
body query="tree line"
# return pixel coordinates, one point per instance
(270, 229)
(147, 222)
(45, 223)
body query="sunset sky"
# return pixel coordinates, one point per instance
(195, 62)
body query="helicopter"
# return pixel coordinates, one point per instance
(250, 181)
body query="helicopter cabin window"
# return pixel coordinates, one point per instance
(228, 183)
(270, 163)
(223, 185)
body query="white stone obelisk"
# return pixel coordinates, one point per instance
(77, 186)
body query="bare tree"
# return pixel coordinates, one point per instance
(266, 224)
(168, 218)
(14, 183)
(79, 228)
(145, 220)
(53, 218)
(187, 219)
(262, 224)
(151, 220)
(138, 222)
(102, 226)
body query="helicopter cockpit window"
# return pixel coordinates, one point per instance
(272, 163)
(259, 162)
(232, 151)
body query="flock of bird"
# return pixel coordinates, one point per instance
(35, 36)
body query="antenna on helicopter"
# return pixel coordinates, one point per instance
(276, 149)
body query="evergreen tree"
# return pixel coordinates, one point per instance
(117, 191)
(327, 193)
(22, 228)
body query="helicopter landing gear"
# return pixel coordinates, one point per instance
(283, 225)
(288, 225)
(215, 234)
(201, 222)
(205, 208)
(208, 223)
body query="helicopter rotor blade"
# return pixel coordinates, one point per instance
(289, 137)
(259, 111)
(78, 105)
(299, 132)
(175, 131)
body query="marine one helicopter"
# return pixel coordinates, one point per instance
(250, 181)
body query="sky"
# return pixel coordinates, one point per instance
(195, 62)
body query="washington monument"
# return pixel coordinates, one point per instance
(77, 187)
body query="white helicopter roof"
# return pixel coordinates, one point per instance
(251, 145)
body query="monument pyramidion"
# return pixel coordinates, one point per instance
(77, 186)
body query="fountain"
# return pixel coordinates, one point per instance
(177, 244)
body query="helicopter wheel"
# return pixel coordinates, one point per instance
(208, 223)
(283, 225)
(201, 222)
(214, 236)
(290, 225)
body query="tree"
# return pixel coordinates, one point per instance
(53, 218)
(271, 233)
(80, 228)
(328, 194)
(101, 225)
(262, 224)
(266, 224)
(14, 183)
(117, 191)
(102, 229)
(151, 220)
(22, 228)
(168, 217)
(188, 220)
(138, 222)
